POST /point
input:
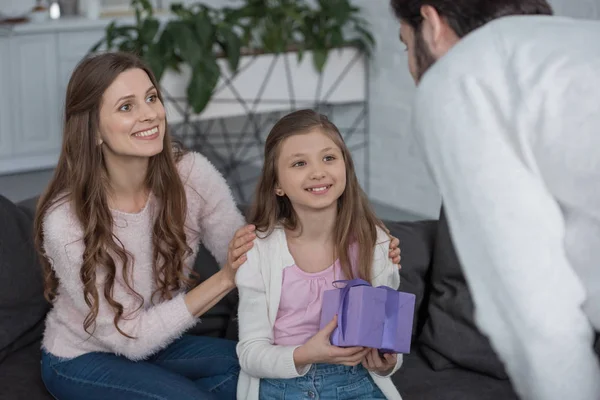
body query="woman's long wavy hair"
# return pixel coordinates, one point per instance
(356, 222)
(80, 178)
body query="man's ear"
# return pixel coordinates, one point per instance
(437, 34)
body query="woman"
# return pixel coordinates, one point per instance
(118, 228)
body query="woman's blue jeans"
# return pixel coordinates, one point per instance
(192, 367)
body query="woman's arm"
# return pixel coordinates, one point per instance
(204, 296)
(217, 214)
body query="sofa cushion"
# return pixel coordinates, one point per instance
(20, 377)
(416, 380)
(450, 336)
(416, 244)
(22, 303)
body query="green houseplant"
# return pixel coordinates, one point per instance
(198, 35)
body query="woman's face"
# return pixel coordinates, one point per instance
(132, 118)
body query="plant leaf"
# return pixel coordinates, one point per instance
(300, 53)
(97, 45)
(366, 35)
(148, 31)
(231, 46)
(319, 59)
(127, 46)
(154, 57)
(205, 77)
(337, 38)
(203, 27)
(110, 34)
(177, 8)
(185, 40)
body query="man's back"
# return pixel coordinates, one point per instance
(509, 121)
(559, 82)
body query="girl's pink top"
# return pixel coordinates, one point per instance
(300, 304)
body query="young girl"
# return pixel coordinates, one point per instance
(117, 230)
(314, 227)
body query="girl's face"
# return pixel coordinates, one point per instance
(132, 118)
(311, 171)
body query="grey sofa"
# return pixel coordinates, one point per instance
(450, 358)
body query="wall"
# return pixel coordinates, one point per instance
(397, 175)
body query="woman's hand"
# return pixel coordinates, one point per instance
(318, 349)
(395, 251)
(378, 364)
(242, 241)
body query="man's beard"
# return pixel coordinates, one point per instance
(423, 57)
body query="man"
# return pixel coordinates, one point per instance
(508, 116)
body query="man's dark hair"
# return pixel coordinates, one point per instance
(464, 16)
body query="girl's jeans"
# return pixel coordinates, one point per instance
(323, 382)
(192, 367)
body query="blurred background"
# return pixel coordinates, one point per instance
(353, 69)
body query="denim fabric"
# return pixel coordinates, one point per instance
(323, 382)
(192, 367)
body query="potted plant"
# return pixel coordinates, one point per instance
(199, 49)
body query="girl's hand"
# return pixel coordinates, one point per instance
(319, 349)
(238, 247)
(395, 251)
(380, 365)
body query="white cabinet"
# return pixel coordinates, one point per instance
(30, 131)
(36, 61)
(35, 97)
(72, 47)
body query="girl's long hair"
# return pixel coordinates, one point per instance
(355, 223)
(80, 178)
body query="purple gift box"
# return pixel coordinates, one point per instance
(376, 317)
